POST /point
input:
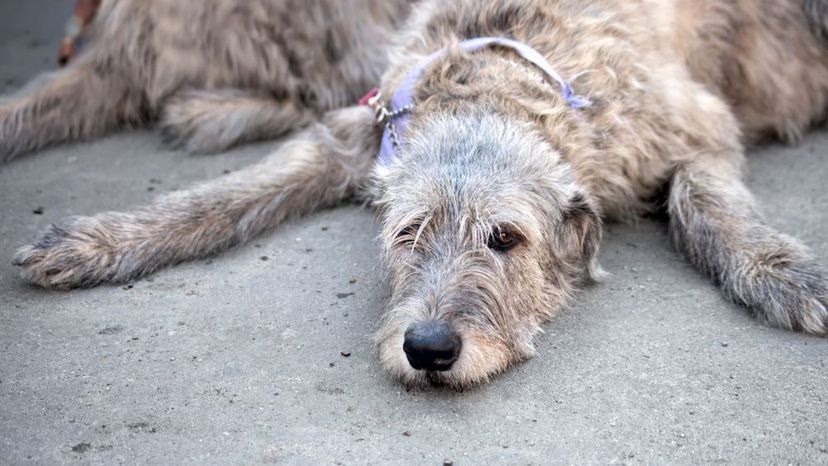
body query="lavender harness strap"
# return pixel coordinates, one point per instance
(403, 99)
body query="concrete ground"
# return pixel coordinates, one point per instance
(239, 359)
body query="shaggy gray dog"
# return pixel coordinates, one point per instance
(491, 192)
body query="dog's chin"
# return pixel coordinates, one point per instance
(436, 380)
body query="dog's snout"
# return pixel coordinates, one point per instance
(431, 346)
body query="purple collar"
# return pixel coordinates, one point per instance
(396, 116)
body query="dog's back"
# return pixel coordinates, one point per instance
(767, 58)
(322, 52)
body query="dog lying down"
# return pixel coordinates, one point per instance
(502, 132)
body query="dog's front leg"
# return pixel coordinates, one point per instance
(714, 221)
(319, 168)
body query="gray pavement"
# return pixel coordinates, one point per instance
(238, 359)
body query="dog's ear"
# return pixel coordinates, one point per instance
(582, 235)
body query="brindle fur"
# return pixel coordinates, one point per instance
(677, 88)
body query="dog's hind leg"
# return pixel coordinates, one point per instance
(208, 121)
(714, 221)
(320, 167)
(75, 103)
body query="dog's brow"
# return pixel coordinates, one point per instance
(423, 225)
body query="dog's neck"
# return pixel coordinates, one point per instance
(395, 114)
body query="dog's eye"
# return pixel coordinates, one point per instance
(502, 239)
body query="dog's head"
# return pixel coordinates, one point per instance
(486, 233)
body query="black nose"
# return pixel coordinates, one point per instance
(431, 346)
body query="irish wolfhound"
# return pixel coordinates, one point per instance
(509, 128)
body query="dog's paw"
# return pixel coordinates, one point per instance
(77, 252)
(787, 291)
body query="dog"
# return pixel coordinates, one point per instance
(507, 131)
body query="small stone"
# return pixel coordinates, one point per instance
(38, 211)
(345, 354)
(406, 434)
(82, 447)
(264, 258)
(112, 330)
(724, 344)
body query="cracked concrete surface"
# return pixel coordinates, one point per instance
(238, 359)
